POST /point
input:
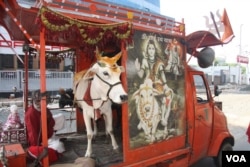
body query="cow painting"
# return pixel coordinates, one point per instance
(95, 90)
(147, 109)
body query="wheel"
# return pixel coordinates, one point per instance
(224, 147)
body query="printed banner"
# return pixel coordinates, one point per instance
(242, 59)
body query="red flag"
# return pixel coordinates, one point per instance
(228, 31)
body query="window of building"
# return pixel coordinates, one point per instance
(20, 65)
(51, 65)
(6, 61)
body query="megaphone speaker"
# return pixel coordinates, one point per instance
(206, 57)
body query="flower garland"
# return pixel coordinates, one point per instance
(83, 33)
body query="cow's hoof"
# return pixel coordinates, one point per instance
(164, 136)
(116, 151)
(87, 155)
(163, 122)
(152, 140)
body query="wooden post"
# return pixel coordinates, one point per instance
(43, 99)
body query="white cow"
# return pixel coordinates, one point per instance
(147, 108)
(95, 90)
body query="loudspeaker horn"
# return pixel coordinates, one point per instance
(206, 57)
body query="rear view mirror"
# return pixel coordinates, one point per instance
(217, 91)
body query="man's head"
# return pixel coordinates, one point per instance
(36, 99)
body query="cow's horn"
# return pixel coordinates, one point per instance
(97, 53)
(110, 60)
(116, 57)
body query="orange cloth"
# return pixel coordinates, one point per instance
(88, 100)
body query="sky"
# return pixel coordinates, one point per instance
(193, 12)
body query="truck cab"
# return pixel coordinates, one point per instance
(210, 134)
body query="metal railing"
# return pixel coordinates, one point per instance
(14, 80)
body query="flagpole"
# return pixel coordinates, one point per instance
(240, 51)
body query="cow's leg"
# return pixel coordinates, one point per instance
(163, 111)
(109, 128)
(156, 121)
(146, 130)
(166, 108)
(139, 126)
(95, 128)
(87, 120)
(152, 136)
(165, 132)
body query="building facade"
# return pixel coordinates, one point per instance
(12, 55)
(222, 75)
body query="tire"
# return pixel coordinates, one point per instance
(224, 147)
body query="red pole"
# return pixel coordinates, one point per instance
(43, 99)
(125, 105)
(26, 67)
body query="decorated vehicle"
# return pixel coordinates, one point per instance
(141, 82)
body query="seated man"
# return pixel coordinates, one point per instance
(34, 130)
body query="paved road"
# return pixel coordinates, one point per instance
(236, 108)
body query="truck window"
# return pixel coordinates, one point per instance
(200, 87)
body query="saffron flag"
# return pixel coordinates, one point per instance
(228, 34)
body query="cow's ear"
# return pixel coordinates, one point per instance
(135, 96)
(156, 92)
(94, 68)
(122, 69)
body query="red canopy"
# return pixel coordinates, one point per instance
(200, 39)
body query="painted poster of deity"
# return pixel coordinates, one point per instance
(155, 75)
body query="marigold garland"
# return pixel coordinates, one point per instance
(84, 33)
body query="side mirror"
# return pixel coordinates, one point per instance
(216, 90)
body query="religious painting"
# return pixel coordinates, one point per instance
(155, 75)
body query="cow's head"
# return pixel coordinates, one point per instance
(145, 95)
(106, 82)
